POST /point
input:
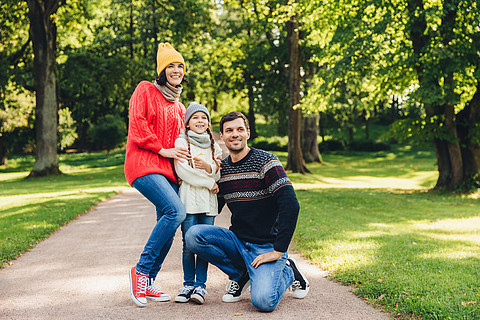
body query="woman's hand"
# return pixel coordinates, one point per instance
(266, 257)
(175, 153)
(201, 164)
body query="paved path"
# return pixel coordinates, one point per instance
(81, 272)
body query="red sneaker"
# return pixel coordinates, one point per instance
(155, 293)
(138, 286)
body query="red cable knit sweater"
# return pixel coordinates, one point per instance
(154, 124)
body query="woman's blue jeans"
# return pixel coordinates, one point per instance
(222, 248)
(170, 214)
(194, 272)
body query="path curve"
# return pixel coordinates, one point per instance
(81, 272)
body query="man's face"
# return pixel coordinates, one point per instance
(235, 135)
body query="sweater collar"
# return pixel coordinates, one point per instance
(243, 160)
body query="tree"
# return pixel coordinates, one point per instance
(423, 51)
(43, 34)
(295, 161)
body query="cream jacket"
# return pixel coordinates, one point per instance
(196, 183)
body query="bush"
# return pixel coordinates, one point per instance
(275, 143)
(331, 145)
(368, 145)
(108, 133)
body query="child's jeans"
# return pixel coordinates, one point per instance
(194, 272)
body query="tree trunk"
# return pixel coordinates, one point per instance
(309, 139)
(131, 30)
(321, 125)
(43, 34)
(295, 161)
(3, 152)
(454, 152)
(251, 112)
(367, 127)
(154, 32)
(469, 134)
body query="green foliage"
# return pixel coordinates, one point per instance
(332, 145)
(274, 143)
(368, 146)
(67, 133)
(109, 132)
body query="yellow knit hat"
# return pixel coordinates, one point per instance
(166, 55)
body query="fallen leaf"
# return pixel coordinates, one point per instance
(381, 297)
(379, 280)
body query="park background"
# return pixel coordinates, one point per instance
(372, 106)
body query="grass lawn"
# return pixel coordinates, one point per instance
(372, 224)
(367, 218)
(31, 209)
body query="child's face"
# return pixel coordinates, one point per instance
(198, 123)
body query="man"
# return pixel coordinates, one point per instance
(264, 209)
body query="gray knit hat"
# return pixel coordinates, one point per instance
(195, 107)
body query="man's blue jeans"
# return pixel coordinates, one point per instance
(222, 248)
(170, 214)
(194, 272)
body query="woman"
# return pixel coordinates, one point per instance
(156, 117)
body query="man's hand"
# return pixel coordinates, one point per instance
(266, 257)
(175, 153)
(215, 189)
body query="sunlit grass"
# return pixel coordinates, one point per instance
(413, 252)
(31, 209)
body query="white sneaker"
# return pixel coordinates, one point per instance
(235, 289)
(185, 294)
(300, 285)
(198, 295)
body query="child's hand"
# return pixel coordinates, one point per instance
(215, 189)
(201, 164)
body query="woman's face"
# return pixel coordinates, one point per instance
(174, 73)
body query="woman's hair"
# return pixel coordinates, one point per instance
(162, 79)
(212, 144)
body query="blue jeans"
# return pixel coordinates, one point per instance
(170, 214)
(194, 274)
(222, 248)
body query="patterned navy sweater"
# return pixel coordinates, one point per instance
(261, 198)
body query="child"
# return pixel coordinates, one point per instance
(198, 193)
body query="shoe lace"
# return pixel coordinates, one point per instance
(155, 290)
(296, 285)
(201, 291)
(142, 284)
(186, 290)
(233, 287)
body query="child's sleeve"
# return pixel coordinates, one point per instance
(192, 176)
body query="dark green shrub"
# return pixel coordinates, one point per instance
(109, 132)
(275, 143)
(331, 145)
(368, 145)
